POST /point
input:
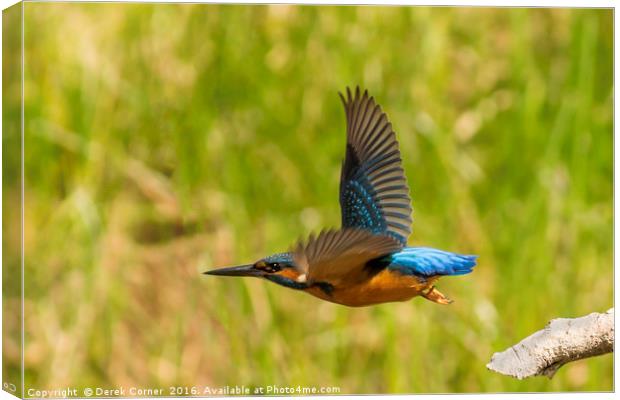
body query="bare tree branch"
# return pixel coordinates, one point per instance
(563, 340)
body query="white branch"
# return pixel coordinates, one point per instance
(563, 340)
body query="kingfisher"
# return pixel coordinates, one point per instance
(366, 261)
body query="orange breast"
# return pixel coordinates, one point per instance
(384, 287)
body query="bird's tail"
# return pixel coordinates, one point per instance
(426, 261)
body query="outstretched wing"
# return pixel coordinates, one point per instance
(373, 189)
(337, 256)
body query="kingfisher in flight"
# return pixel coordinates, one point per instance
(367, 260)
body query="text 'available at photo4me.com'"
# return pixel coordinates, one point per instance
(240, 390)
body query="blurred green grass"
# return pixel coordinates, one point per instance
(162, 140)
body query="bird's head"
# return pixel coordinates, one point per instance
(279, 268)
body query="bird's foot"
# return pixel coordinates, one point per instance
(435, 296)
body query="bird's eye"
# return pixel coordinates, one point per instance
(269, 267)
(273, 267)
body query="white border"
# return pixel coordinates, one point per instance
(480, 3)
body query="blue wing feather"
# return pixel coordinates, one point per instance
(373, 189)
(359, 209)
(426, 261)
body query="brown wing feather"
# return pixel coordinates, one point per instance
(374, 194)
(339, 256)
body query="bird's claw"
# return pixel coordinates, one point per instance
(436, 296)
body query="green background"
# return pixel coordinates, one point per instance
(164, 140)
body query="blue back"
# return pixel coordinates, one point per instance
(426, 261)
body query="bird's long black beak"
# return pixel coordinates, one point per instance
(241, 270)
